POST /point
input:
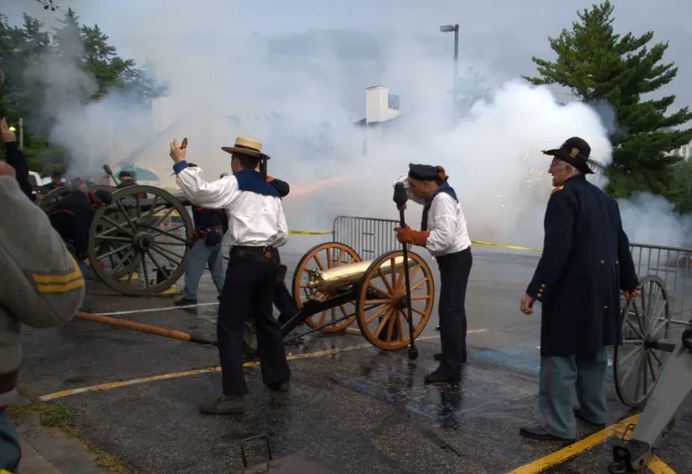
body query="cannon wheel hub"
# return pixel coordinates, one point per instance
(143, 242)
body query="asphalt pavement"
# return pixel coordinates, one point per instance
(350, 408)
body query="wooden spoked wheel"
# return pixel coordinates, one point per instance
(138, 244)
(638, 362)
(320, 258)
(381, 300)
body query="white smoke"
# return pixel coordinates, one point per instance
(492, 156)
(650, 219)
(301, 93)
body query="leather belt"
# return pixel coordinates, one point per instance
(264, 253)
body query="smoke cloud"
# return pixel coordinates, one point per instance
(301, 89)
(651, 219)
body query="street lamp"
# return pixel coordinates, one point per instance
(455, 29)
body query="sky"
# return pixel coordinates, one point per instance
(497, 36)
(294, 74)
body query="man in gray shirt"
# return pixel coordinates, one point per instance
(41, 285)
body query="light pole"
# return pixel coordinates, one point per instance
(455, 29)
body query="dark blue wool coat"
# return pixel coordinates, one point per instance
(586, 261)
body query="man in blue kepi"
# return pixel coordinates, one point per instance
(445, 235)
(257, 226)
(586, 261)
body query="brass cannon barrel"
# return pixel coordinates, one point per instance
(345, 275)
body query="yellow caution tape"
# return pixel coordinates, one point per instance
(308, 232)
(506, 246)
(477, 242)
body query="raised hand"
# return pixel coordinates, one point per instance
(6, 135)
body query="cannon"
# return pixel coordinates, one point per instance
(652, 369)
(333, 288)
(138, 243)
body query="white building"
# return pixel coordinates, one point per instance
(380, 107)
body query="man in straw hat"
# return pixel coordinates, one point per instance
(257, 226)
(585, 262)
(444, 233)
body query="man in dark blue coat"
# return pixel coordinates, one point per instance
(586, 261)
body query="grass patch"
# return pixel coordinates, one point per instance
(49, 415)
(59, 417)
(54, 416)
(110, 462)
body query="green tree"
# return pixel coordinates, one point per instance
(598, 65)
(101, 60)
(681, 186)
(20, 47)
(28, 47)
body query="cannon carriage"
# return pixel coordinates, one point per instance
(653, 322)
(653, 365)
(138, 243)
(333, 289)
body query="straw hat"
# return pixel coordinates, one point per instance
(246, 146)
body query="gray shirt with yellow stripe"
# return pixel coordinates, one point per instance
(41, 284)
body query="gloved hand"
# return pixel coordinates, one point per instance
(406, 235)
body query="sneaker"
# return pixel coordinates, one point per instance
(184, 301)
(224, 405)
(537, 432)
(438, 376)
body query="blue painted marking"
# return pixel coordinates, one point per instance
(442, 403)
(524, 357)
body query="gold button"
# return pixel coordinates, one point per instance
(605, 307)
(602, 262)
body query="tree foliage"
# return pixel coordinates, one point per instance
(25, 86)
(598, 65)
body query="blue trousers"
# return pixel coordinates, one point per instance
(249, 291)
(10, 453)
(202, 255)
(566, 379)
(454, 278)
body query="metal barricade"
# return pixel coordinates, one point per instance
(371, 237)
(673, 266)
(368, 236)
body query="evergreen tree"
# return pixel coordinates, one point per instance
(102, 61)
(598, 64)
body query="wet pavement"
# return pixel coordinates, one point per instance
(350, 408)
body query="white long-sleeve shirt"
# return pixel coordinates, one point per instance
(254, 219)
(446, 223)
(447, 226)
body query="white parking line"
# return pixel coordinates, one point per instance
(154, 310)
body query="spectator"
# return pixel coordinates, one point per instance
(56, 181)
(586, 261)
(127, 178)
(42, 285)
